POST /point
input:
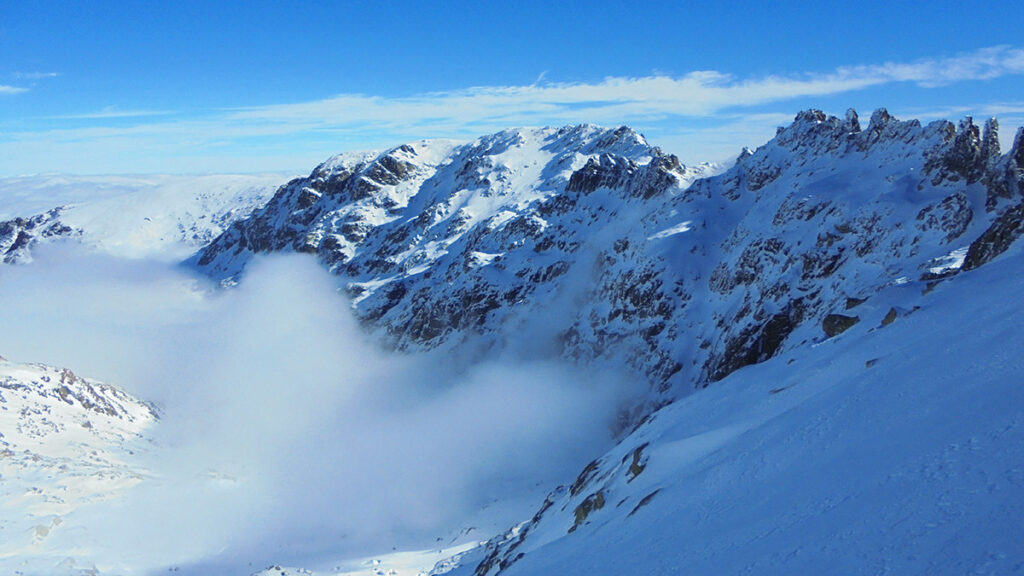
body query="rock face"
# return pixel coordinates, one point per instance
(624, 253)
(835, 324)
(1005, 182)
(17, 236)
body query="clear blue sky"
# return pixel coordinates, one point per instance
(190, 86)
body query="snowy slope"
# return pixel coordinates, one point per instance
(129, 216)
(895, 447)
(65, 441)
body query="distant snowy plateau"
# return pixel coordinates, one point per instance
(820, 346)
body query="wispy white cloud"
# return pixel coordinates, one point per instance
(984, 64)
(35, 75)
(111, 112)
(676, 108)
(1004, 108)
(25, 76)
(697, 94)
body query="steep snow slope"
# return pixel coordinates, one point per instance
(129, 216)
(587, 243)
(65, 441)
(895, 447)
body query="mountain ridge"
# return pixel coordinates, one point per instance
(439, 253)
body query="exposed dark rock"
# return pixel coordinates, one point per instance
(307, 198)
(756, 343)
(852, 302)
(744, 154)
(990, 141)
(964, 159)
(639, 463)
(851, 122)
(997, 238)
(644, 502)
(835, 324)
(953, 215)
(890, 317)
(584, 477)
(17, 236)
(607, 171)
(589, 505)
(759, 176)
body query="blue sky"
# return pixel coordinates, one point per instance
(190, 86)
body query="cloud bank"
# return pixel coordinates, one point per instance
(286, 435)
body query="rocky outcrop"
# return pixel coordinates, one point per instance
(836, 324)
(17, 236)
(1005, 183)
(995, 240)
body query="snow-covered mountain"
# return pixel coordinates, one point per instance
(128, 216)
(604, 239)
(847, 296)
(65, 442)
(625, 256)
(881, 430)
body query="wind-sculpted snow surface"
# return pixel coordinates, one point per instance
(598, 246)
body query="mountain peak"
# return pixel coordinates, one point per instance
(880, 118)
(851, 122)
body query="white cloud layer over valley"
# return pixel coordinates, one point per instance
(285, 433)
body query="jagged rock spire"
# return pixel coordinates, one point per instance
(851, 123)
(744, 154)
(811, 116)
(1017, 152)
(879, 119)
(990, 140)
